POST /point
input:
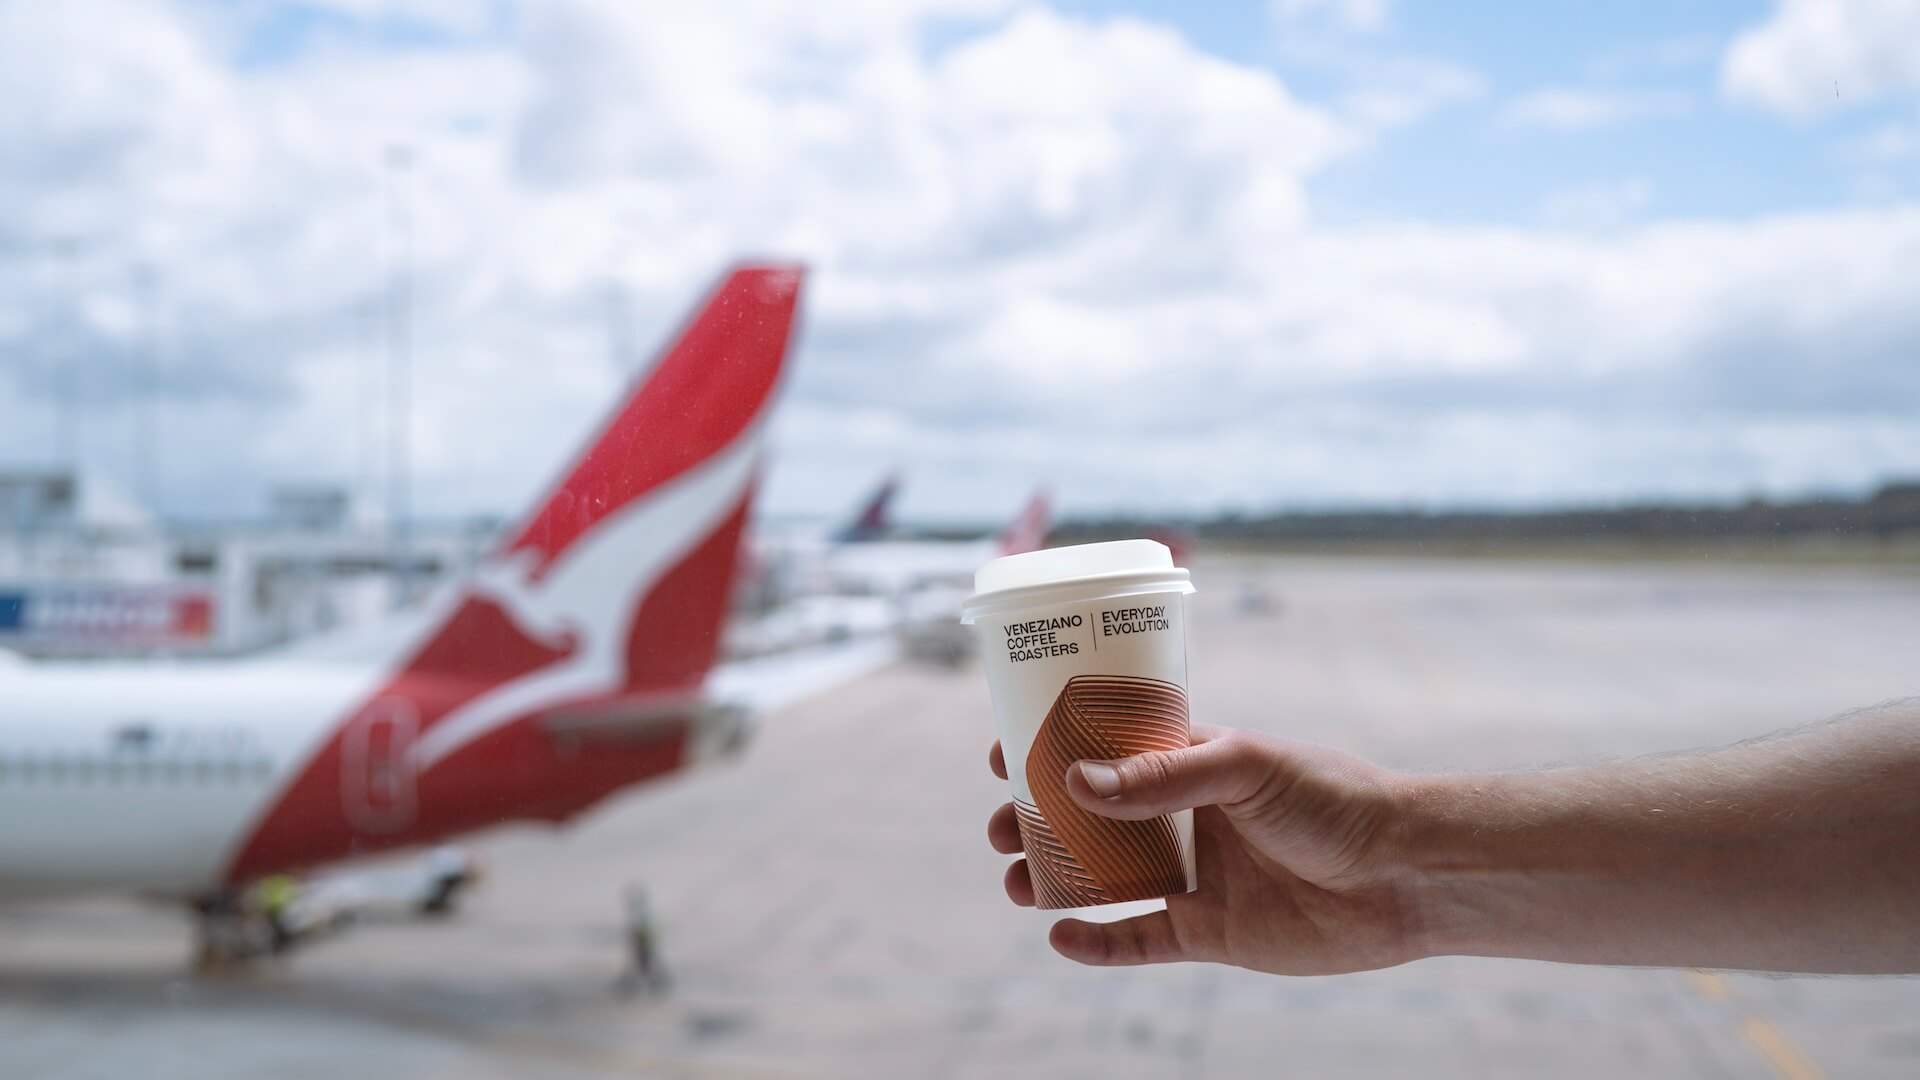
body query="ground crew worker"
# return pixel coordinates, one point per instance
(645, 973)
(273, 898)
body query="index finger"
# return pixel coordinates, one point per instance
(1200, 733)
(997, 761)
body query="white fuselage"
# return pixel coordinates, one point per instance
(897, 567)
(178, 779)
(145, 777)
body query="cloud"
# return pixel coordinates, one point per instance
(1393, 91)
(1048, 249)
(1579, 109)
(1813, 56)
(1883, 145)
(1377, 86)
(1365, 16)
(601, 146)
(459, 16)
(1442, 364)
(1597, 206)
(1878, 160)
(1662, 55)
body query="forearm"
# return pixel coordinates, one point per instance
(1798, 853)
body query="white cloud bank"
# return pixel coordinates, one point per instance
(1053, 250)
(1815, 55)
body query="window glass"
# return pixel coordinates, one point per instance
(423, 419)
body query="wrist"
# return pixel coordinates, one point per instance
(1443, 848)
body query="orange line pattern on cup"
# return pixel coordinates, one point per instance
(1076, 858)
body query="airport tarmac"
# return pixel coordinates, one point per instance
(828, 905)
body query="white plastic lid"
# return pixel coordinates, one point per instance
(1117, 567)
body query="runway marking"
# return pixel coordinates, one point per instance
(1780, 1052)
(1785, 1057)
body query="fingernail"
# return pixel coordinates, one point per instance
(1104, 779)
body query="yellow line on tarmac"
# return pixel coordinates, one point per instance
(1785, 1058)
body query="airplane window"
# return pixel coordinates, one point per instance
(197, 562)
(134, 736)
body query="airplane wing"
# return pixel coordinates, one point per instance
(769, 683)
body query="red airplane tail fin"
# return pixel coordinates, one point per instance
(601, 614)
(683, 440)
(873, 520)
(707, 388)
(1028, 531)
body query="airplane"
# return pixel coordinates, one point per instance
(574, 664)
(873, 520)
(780, 571)
(859, 581)
(925, 581)
(901, 567)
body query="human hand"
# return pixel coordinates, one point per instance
(1300, 871)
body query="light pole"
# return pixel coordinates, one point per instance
(146, 390)
(66, 449)
(399, 162)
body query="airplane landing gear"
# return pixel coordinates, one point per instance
(228, 937)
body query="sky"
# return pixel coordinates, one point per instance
(1157, 257)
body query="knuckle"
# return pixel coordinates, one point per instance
(1253, 768)
(1149, 770)
(1246, 746)
(1234, 743)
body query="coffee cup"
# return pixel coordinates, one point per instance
(1085, 653)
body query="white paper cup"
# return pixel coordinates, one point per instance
(1086, 655)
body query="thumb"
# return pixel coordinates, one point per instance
(1220, 771)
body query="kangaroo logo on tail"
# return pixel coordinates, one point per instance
(613, 589)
